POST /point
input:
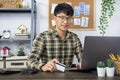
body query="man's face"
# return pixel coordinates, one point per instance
(62, 21)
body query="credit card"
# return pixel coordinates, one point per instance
(60, 66)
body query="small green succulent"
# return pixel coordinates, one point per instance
(110, 63)
(21, 52)
(100, 64)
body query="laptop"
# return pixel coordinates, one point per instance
(98, 48)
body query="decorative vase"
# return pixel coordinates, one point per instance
(101, 72)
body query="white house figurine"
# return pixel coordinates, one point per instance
(22, 29)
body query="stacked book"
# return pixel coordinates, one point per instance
(18, 35)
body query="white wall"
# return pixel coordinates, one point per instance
(112, 30)
(12, 20)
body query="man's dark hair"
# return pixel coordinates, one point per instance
(65, 8)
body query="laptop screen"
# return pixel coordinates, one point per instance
(98, 48)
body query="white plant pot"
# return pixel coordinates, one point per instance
(101, 72)
(110, 71)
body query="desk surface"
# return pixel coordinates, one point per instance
(68, 75)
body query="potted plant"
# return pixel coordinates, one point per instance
(101, 69)
(21, 52)
(110, 69)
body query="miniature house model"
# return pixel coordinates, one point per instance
(4, 51)
(22, 29)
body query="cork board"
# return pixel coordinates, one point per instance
(83, 18)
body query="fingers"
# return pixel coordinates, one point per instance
(50, 66)
(78, 65)
(47, 67)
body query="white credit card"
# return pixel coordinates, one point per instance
(60, 67)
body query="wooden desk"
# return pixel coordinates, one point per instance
(68, 75)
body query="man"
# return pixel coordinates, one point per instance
(57, 44)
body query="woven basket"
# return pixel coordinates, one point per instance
(117, 63)
(10, 3)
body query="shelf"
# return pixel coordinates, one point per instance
(10, 40)
(13, 10)
(27, 11)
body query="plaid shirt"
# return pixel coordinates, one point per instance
(48, 45)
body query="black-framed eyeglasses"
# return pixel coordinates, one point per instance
(63, 18)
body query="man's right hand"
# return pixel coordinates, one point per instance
(50, 66)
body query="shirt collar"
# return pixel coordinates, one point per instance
(55, 34)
